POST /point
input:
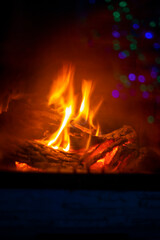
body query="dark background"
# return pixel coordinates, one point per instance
(38, 38)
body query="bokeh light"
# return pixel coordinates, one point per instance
(110, 7)
(143, 87)
(116, 14)
(115, 93)
(154, 74)
(156, 46)
(141, 57)
(135, 26)
(124, 54)
(141, 78)
(152, 24)
(157, 60)
(122, 4)
(132, 77)
(150, 88)
(129, 17)
(116, 34)
(150, 119)
(145, 94)
(116, 46)
(158, 79)
(126, 10)
(148, 35)
(133, 46)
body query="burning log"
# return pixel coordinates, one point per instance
(114, 153)
(43, 157)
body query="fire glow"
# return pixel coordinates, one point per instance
(75, 141)
(62, 96)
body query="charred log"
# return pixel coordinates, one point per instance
(117, 151)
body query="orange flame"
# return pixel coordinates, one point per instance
(63, 97)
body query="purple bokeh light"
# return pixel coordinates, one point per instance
(132, 77)
(145, 94)
(141, 78)
(122, 55)
(115, 93)
(116, 34)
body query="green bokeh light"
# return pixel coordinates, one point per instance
(143, 87)
(116, 14)
(152, 24)
(129, 17)
(129, 37)
(122, 4)
(116, 46)
(150, 88)
(157, 60)
(158, 79)
(126, 10)
(117, 19)
(110, 7)
(150, 119)
(123, 78)
(133, 46)
(107, 1)
(141, 57)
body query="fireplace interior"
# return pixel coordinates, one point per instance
(80, 119)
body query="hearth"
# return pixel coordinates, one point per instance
(79, 120)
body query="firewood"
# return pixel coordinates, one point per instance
(40, 156)
(123, 136)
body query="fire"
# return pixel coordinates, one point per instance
(62, 96)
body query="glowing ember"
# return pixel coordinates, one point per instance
(24, 167)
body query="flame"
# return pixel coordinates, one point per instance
(65, 101)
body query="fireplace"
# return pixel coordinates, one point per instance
(79, 114)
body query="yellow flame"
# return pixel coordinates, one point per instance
(64, 99)
(55, 136)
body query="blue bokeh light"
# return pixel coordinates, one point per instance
(156, 46)
(122, 55)
(135, 26)
(148, 35)
(116, 34)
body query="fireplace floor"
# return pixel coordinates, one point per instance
(39, 205)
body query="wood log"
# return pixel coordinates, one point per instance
(124, 140)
